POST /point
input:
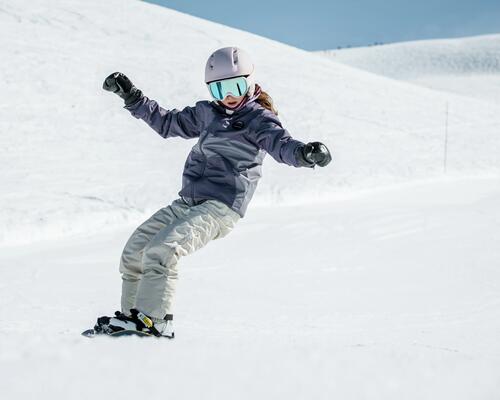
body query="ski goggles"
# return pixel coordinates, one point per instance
(236, 86)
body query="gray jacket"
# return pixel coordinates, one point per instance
(226, 162)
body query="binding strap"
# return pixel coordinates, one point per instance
(145, 321)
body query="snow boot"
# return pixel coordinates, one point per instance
(155, 326)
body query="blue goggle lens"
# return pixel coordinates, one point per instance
(235, 86)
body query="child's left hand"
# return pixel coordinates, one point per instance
(315, 153)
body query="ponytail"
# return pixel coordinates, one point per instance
(266, 101)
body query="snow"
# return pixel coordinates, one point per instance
(468, 66)
(376, 277)
(107, 169)
(389, 294)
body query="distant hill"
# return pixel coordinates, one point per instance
(468, 66)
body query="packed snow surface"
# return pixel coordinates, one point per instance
(374, 278)
(469, 66)
(389, 294)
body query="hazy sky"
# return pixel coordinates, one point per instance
(326, 24)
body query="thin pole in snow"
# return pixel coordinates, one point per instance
(445, 160)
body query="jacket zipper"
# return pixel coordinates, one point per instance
(202, 138)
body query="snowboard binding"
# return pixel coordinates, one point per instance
(138, 324)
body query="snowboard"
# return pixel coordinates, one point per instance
(91, 333)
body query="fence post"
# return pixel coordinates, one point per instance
(445, 159)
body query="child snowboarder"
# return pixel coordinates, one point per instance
(234, 132)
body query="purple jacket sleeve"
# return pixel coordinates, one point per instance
(274, 139)
(168, 123)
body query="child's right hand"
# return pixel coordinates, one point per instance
(121, 85)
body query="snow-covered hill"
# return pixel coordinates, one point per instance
(77, 161)
(380, 282)
(468, 66)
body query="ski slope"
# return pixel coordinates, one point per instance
(374, 278)
(78, 162)
(468, 66)
(385, 295)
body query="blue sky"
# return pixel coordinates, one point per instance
(327, 24)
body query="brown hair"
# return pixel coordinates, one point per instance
(265, 100)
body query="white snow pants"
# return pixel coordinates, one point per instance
(149, 260)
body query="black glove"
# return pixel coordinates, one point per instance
(314, 153)
(119, 84)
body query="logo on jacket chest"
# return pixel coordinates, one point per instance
(236, 125)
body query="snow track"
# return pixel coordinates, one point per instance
(390, 294)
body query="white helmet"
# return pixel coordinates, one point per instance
(230, 62)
